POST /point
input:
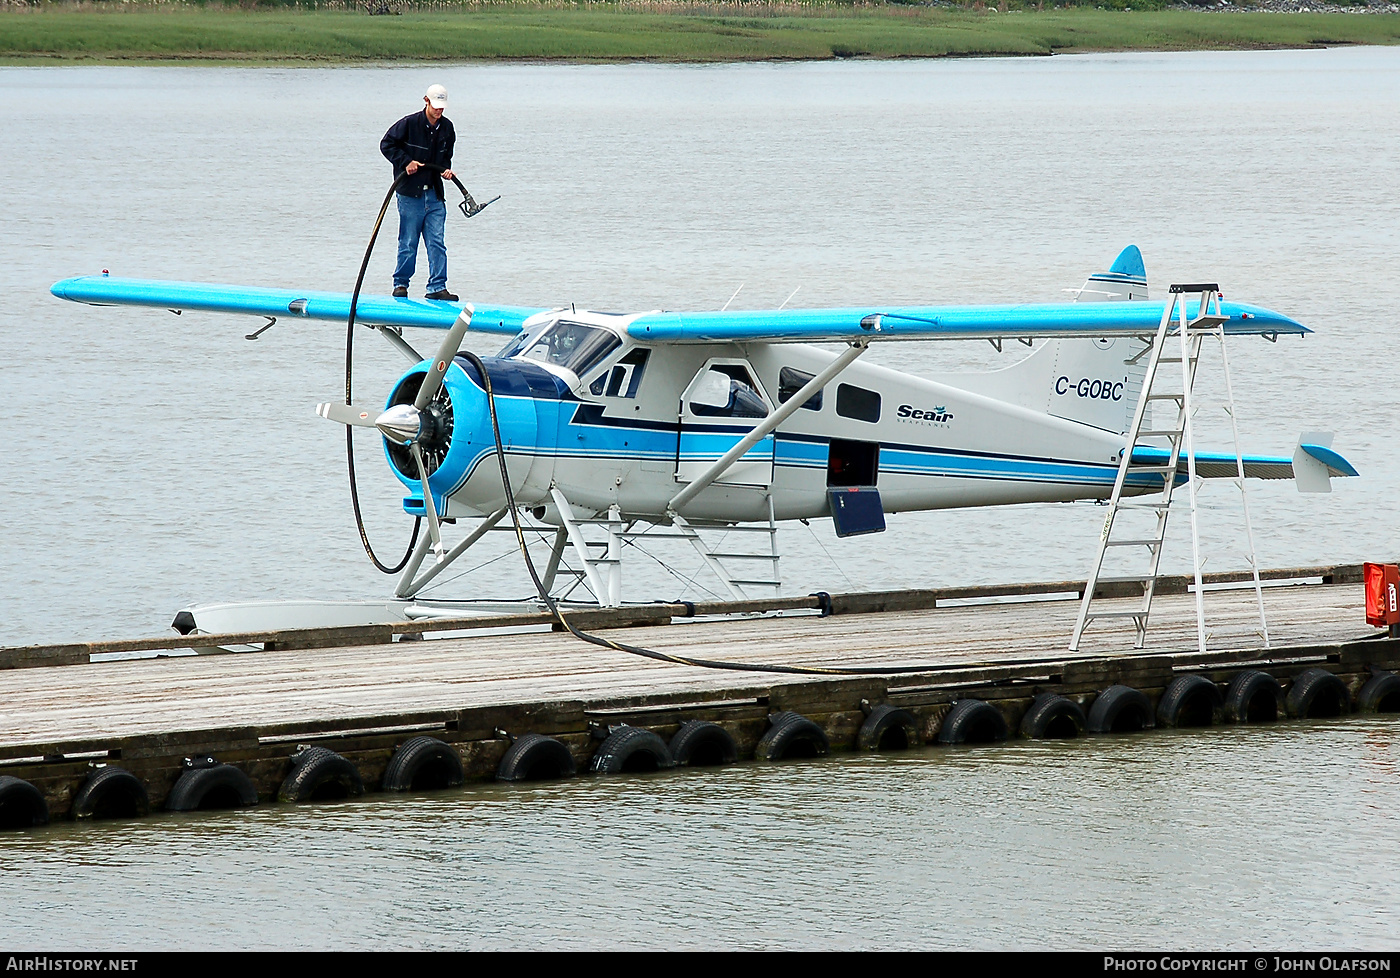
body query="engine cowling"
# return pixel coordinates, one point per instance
(459, 445)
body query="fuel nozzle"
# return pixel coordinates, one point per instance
(469, 206)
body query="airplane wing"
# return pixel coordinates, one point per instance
(782, 325)
(1066, 319)
(372, 310)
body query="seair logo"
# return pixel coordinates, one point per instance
(938, 415)
(1092, 389)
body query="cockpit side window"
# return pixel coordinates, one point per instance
(521, 340)
(626, 375)
(573, 346)
(709, 399)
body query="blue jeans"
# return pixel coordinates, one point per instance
(423, 217)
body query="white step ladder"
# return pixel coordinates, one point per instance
(602, 572)
(1160, 386)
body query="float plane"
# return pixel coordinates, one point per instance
(670, 422)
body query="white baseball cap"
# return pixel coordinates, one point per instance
(436, 96)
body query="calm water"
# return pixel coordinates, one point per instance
(152, 462)
(1283, 837)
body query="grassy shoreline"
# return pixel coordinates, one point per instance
(601, 33)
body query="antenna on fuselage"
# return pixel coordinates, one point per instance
(732, 297)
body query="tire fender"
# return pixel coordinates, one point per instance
(318, 774)
(1052, 717)
(1189, 701)
(423, 764)
(631, 750)
(22, 805)
(1253, 697)
(789, 736)
(1120, 709)
(700, 743)
(973, 722)
(111, 792)
(1381, 694)
(209, 785)
(1317, 693)
(535, 757)
(888, 728)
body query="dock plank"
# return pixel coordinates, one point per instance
(124, 699)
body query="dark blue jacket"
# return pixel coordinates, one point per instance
(411, 138)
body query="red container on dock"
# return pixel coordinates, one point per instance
(1382, 594)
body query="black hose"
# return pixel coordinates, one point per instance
(350, 362)
(543, 592)
(645, 653)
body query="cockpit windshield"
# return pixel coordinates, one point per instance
(573, 346)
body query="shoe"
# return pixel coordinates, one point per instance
(401, 292)
(441, 294)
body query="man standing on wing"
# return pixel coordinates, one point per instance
(420, 144)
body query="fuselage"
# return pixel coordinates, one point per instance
(613, 422)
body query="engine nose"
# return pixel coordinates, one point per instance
(456, 438)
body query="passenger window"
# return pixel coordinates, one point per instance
(857, 403)
(792, 380)
(727, 391)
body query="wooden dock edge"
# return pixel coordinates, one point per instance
(859, 602)
(480, 735)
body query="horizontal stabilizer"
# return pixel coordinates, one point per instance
(1315, 465)
(372, 310)
(1222, 465)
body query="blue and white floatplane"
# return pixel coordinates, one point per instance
(614, 426)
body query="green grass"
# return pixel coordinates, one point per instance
(604, 32)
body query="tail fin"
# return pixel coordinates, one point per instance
(1126, 279)
(1092, 381)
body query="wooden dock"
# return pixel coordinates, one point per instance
(359, 693)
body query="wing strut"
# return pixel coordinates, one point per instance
(766, 426)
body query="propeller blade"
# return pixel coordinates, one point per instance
(432, 380)
(434, 530)
(347, 414)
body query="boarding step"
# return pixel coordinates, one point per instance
(1134, 543)
(1140, 613)
(1202, 323)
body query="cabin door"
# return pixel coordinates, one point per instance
(722, 404)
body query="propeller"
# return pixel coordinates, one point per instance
(347, 414)
(403, 423)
